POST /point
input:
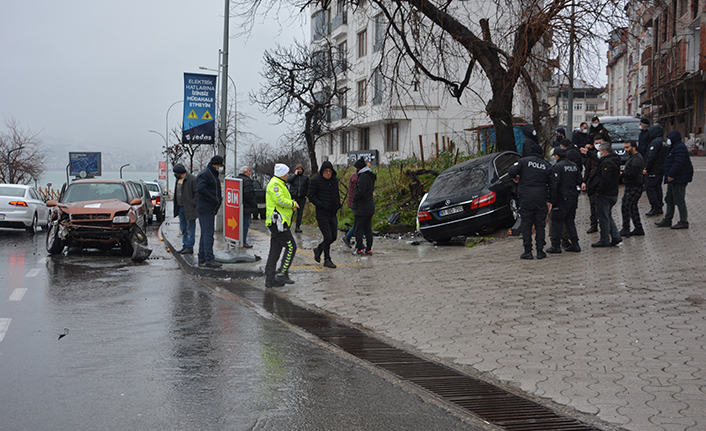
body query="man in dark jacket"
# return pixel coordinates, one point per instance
(298, 185)
(580, 137)
(654, 169)
(324, 194)
(185, 207)
(531, 139)
(364, 207)
(605, 184)
(633, 179)
(678, 172)
(560, 136)
(597, 129)
(590, 151)
(248, 201)
(210, 196)
(565, 182)
(643, 140)
(532, 175)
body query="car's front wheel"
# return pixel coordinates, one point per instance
(54, 244)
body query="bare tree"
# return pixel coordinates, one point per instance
(27, 163)
(510, 42)
(305, 82)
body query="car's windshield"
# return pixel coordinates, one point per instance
(94, 192)
(469, 179)
(12, 192)
(623, 132)
(153, 187)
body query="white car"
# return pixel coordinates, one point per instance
(159, 201)
(22, 207)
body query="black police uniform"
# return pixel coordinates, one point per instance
(564, 184)
(533, 191)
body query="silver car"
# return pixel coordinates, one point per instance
(22, 207)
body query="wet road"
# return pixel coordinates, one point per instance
(146, 347)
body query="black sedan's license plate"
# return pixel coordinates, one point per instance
(449, 211)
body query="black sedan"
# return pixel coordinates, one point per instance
(470, 198)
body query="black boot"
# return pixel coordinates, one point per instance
(317, 254)
(554, 250)
(329, 264)
(283, 278)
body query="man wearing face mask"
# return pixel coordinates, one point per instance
(643, 140)
(208, 188)
(633, 179)
(598, 129)
(185, 207)
(324, 194)
(678, 172)
(589, 152)
(605, 185)
(580, 137)
(530, 140)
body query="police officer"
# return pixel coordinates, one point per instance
(532, 175)
(280, 209)
(565, 184)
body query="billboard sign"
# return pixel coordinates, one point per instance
(199, 109)
(162, 171)
(233, 210)
(85, 164)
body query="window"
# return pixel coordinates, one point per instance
(362, 43)
(392, 142)
(320, 24)
(364, 138)
(578, 118)
(345, 142)
(591, 106)
(379, 32)
(578, 106)
(377, 87)
(342, 63)
(361, 92)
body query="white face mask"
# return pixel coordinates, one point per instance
(221, 169)
(600, 154)
(596, 124)
(584, 130)
(669, 142)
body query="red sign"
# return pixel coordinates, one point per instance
(232, 210)
(162, 170)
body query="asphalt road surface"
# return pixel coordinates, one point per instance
(91, 341)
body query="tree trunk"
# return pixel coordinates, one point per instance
(310, 141)
(500, 111)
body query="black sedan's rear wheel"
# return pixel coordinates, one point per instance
(54, 244)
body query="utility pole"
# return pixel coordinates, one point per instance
(223, 128)
(570, 119)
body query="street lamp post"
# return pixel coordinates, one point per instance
(166, 140)
(235, 118)
(9, 165)
(121, 170)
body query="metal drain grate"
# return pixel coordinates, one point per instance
(490, 403)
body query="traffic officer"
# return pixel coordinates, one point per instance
(280, 208)
(565, 186)
(532, 175)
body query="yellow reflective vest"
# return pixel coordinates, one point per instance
(277, 197)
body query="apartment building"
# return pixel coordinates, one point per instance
(589, 101)
(379, 117)
(668, 63)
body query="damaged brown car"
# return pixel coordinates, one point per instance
(102, 214)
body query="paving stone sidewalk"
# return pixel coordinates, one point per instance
(617, 333)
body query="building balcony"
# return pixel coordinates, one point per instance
(646, 56)
(339, 20)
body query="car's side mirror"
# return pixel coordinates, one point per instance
(51, 203)
(136, 201)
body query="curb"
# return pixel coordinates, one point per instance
(194, 269)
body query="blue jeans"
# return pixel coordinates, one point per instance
(188, 230)
(246, 225)
(604, 211)
(207, 222)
